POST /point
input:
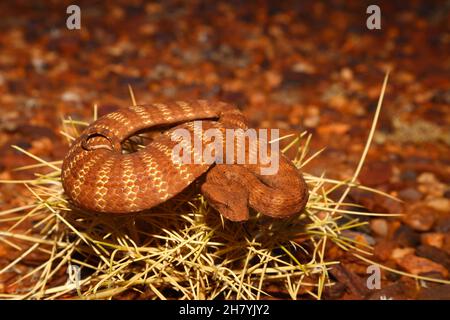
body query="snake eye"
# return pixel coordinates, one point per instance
(113, 143)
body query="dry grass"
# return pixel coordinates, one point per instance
(181, 249)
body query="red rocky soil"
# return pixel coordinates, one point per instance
(308, 65)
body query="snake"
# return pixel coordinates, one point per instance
(98, 175)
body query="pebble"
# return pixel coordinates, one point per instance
(359, 237)
(311, 121)
(10, 120)
(346, 74)
(380, 227)
(383, 249)
(39, 64)
(420, 218)
(439, 204)
(70, 96)
(273, 79)
(432, 190)
(406, 237)
(312, 117)
(304, 67)
(389, 205)
(430, 185)
(418, 265)
(434, 254)
(352, 281)
(435, 239)
(410, 194)
(376, 173)
(427, 178)
(408, 175)
(400, 253)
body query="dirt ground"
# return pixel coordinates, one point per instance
(292, 65)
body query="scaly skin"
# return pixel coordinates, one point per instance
(96, 176)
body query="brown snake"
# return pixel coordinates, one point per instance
(97, 176)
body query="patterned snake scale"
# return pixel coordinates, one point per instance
(98, 176)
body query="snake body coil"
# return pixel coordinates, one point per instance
(97, 176)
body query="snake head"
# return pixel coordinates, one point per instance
(114, 142)
(223, 198)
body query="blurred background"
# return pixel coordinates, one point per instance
(293, 65)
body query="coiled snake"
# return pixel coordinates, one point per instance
(97, 176)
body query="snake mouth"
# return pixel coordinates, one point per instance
(113, 145)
